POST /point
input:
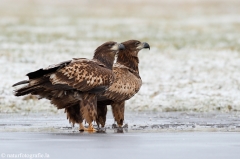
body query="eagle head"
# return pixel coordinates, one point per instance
(106, 52)
(132, 47)
(109, 47)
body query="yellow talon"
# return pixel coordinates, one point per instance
(91, 128)
(82, 128)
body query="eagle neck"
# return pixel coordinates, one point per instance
(106, 60)
(125, 58)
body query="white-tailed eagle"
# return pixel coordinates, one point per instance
(77, 80)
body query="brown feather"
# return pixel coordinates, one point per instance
(127, 80)
(60, 82)
(73, 114)
(83, 75)
(88, 107)
(118, 112)
(126, 84)
(64, 101)
(102, 112)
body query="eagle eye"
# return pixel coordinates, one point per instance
(137, 43)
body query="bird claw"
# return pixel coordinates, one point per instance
(101, 130)
(82, 128)
(89, 129)
(125, 126)
(114, 126)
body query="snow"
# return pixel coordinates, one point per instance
(193, 64)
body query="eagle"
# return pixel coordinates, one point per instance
(127, 83)
(80, 79)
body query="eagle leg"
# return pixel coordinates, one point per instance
(118, 112)
(101, 112)
(74, 116)
(88, 109)
(81, 127)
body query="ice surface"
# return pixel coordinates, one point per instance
(146, 122)
(118, 146)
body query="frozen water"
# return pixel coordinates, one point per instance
(133, 123)
(128, 145)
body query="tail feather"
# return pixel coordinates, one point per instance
(39, 79)
(21, 82)
(33, 86)
(26, 90)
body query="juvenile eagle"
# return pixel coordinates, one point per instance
(127, 83)
(80, 79)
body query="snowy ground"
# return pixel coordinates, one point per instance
(193, 64)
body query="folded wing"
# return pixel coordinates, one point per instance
(78, 74)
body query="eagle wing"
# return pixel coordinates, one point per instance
(126, 84)
(83, 75)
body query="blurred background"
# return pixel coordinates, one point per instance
(193, 64)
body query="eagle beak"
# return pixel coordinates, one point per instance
(121, 46)
(143, 45)
(118, 46)
(146, 45)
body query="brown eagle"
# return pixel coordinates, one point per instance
(79, 79)
(127, 83)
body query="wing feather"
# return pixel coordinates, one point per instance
(83, 75)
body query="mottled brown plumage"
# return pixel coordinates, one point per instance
(73, 114)
(118, 111)
(74, 81)
(126, 84)
(83, 75)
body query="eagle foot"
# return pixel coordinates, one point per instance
(101, 130)
(91, 128)
(125, 126)
(82, 128)
(114, 126)
(119, 130)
